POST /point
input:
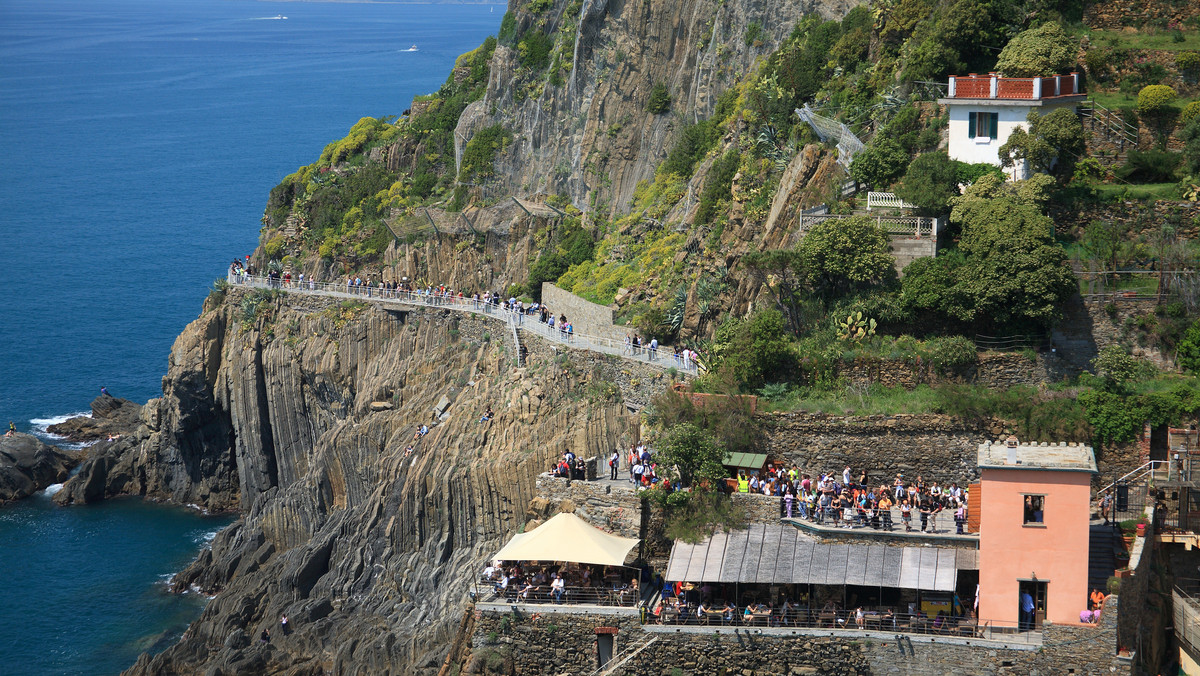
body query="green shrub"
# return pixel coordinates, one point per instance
(717, 185)
(1190, 112)
(479, 155)
(508, 30)
(1153, 99)
(754, 33)
(534, 50)
(879, 164)
(695, 140)
(273, 246)
(659, 101)
(949, 353)
(1188, 64)
(1150, 166)
(1045, 50)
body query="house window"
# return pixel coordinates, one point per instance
(983, 126)
(1035, 509)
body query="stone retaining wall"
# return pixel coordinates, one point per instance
(993, 369)
(939, 448)
(588, 318)
(531, 643)
(616, 510)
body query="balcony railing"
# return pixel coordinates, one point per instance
(993, 86)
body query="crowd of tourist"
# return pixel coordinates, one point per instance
(440, 294)
(846, 502)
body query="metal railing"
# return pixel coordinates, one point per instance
(906, 226)
(880, 619)
(1030, 341)
(1187, 611)
(521, 594)
(661, 357)
(1136, 476)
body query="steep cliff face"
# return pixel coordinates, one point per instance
(592, 137)
(366, 547)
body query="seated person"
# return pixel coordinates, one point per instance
(558, 588)
(728, 611)
(526, 589)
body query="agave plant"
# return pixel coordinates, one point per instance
(855, 327)
(674, 320)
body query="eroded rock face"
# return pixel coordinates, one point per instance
(27, 465)
(110, 417)
(367, 548)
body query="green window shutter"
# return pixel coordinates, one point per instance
(970, 125)
(994, 122)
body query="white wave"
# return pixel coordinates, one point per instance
(278, 17)
(52, 489)
(203, 539)
(40, 424)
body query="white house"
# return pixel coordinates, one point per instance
(985, 109)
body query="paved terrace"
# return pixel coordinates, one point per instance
(519, 324)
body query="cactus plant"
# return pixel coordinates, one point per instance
(856, 327)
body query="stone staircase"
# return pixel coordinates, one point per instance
(1107, 131)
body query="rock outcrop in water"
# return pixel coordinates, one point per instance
(27, 465)
(110, 417)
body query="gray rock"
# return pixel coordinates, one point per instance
(28, 465)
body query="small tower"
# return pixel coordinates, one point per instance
(1035, 510)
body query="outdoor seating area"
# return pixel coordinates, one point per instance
(563, 561)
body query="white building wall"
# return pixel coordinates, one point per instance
(974, 150)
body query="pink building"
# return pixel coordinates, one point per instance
(1033, 548)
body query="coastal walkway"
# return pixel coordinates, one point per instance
(520, 324)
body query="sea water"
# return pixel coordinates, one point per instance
(138, 142)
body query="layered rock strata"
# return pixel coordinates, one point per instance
(368, 548)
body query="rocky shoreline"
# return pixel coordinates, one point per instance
(28, 465)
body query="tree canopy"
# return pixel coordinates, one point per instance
(1052, 144)
(843, 255)
(1007, 275)
(930, 182)
(693, 453)
(1045, 50)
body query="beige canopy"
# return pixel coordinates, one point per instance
(567, 537)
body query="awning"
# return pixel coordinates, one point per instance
(775, 554)
(742, 459)
(567, 537)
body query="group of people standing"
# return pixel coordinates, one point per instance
(848, 503)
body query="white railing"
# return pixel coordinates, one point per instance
(900, 226)
(1146, 470)
(886, 200)
(661, 357)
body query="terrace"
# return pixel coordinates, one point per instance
(1025, 89)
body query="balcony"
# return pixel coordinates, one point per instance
(992, 86)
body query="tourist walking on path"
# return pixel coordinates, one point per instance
(613, 463)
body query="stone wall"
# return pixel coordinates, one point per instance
(556, 643)
(588, 318)
(636, 382)
(939, 448)
(993, 369)
(616, 510)
(907, 249)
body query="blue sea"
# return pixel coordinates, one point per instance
(138, 142)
